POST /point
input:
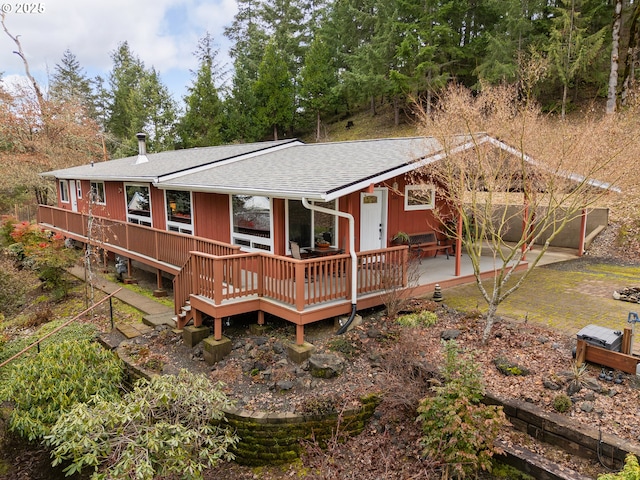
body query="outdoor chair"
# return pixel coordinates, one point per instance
(297, 252)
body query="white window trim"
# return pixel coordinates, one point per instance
(104, 200)
(252, 240)
(64, 191)
(79, 188)
(182, 227)
(425, 206)
(138, 219)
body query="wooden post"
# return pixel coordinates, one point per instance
(583, 232)
(159, 278)
(458, 246)
(260, 317)
(217, 328)
(581, 352)
(299, 334)
(626, 341)
(197, 318)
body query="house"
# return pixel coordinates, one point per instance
(222, 221)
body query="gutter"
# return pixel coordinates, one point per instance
(352, 252)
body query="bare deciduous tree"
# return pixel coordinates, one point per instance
(538, 177)
(40, 134)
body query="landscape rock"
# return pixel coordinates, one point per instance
(325, 365)
(450, 334)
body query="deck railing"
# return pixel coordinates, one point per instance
(159, 245)
(297, 283)
(221, 273)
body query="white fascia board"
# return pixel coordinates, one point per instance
(296, 195)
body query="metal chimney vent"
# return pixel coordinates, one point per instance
(142, 148)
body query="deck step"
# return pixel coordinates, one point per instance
(186, 308)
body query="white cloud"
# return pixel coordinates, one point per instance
(162, 33)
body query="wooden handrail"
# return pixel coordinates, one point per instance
(56, 330)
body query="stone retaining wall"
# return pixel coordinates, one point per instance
(272, 438)
(562, 431)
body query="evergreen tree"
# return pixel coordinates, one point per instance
(571, 48)
(126, 106)
(137, 101)
(202, 122)
(160, 113)
(70, 82)
(317, 82)
(274, 92)
(247, 51)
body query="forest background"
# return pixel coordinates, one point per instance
(301, 65)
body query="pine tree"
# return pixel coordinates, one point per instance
(202, 122)
(274, 92)
(70, 82)
(317, 82)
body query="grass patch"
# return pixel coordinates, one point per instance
(423, 318)
(166, 301)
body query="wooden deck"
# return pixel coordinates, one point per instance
(218, 280)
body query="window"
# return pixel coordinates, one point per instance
(64, 191)
(179, 217)
(251, 222)
(79, 188)
(138, 204)
(419, 197)
(96, 193)
(307, 227)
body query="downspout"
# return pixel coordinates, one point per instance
(352, 252)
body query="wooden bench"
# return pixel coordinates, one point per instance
(420, 243)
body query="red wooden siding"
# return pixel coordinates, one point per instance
(158, 210)
(211, 216)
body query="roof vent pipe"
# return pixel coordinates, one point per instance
(142, 148)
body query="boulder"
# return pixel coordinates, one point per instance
(325, 365)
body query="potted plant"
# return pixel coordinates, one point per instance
(400, 238)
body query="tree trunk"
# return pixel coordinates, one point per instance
(396, 111)
(491, 318)
(318, 126)
(631, 58)
(615, 46)
(275, 133)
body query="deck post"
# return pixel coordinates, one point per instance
(299, 334)
(129, 267)
(583, 232)
(299, 273)
(217, 328)
(218, 280)
(260, 317)
(197, 318)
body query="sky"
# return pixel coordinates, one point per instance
(162, 33)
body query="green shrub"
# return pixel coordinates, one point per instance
(12, 286)
(76, 332)
(169, 426)
(424, 318)
(631, 470)
(52, 382)
(562, 403)
(459, 431)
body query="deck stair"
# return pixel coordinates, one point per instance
(184, 316)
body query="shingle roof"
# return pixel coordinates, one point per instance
(325, 170)
(163, 163)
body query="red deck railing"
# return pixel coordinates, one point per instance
(160, 246)
(296, 283)
(219, 271)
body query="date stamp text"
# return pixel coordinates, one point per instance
(22, 8)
